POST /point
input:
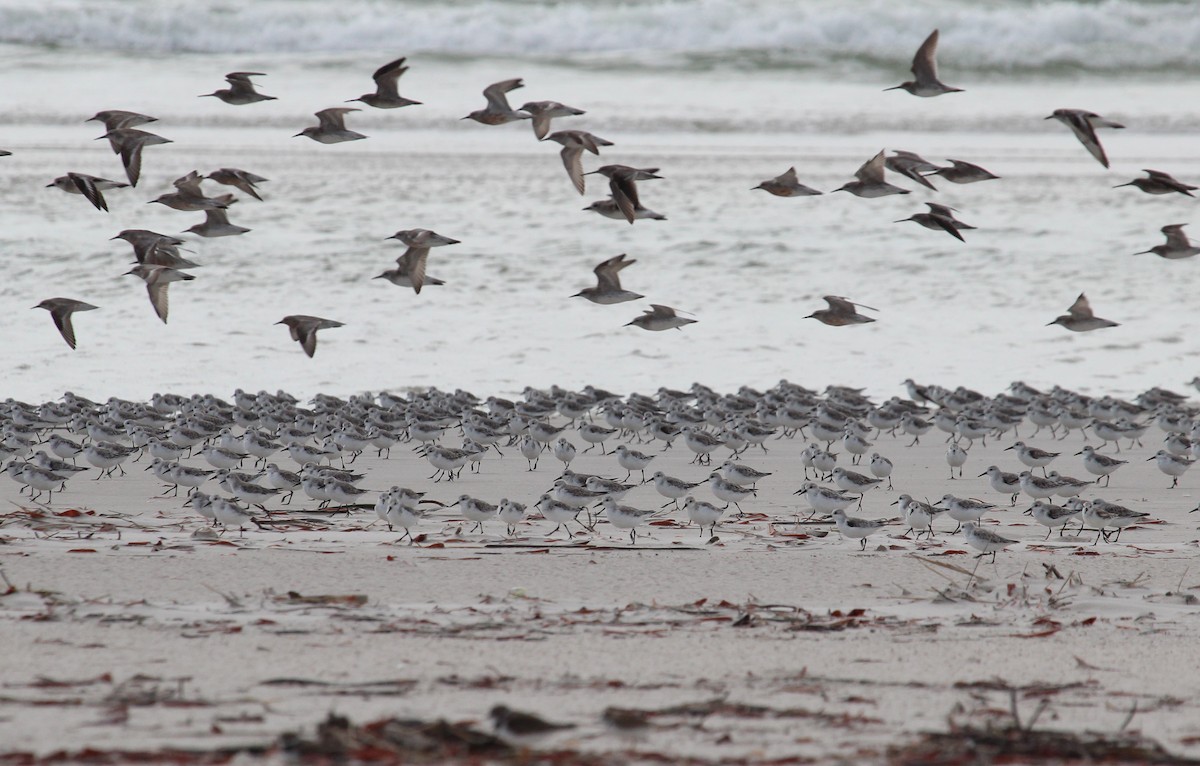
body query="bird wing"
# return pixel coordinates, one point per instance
(658, 310)
(494, 93)
(871, 171)
(158, 297)
(788, 177)
(131, 158)
(1168, 180)
(334, 118)
(62, 320)
(1081, 309)
(415, 259)
(308, 339)
(572, 159)
(1176, 239)
(1083, 130)
(607, 272)
(87, 187)
(947, 224)
(541, 125)
(385, 77)
(624, 193)
(924, 65)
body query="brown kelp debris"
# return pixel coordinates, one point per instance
(1014, 744)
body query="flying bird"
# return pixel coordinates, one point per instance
(242, 180)
(544, 111)
(410, 266)
(925, 82)
(658, 318)
(89, 186)
(61, 310)
(304, 329)
(870, 183)
(129, 142)
(241, 89)
(622, 185)
(386, 95)
(841, 312)
(608, 283)
(158, 279)
(574, 142)
(786, 185)
(1159, 182)
(1083, 124)
(331, 126)
(1177, 245)
(498, 112)
(1079, 317)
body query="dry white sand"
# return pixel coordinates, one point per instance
(124, 631)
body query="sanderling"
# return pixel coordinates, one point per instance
(856, 528)
(881, 468)
(331, 126)
(157, 279)
(671, 487)
(701, 442)
(961, 172)
(1159, 182)
(228, 513)
(304, 328)
(1037, 487)
(1032, 456)
(956, 457)
(511, 513)
(476, 510)
(558, 512)
(786, 185)
(285, 480)
(242, 180)
(870, 181)
(449, 461)
(632, 460)
(216, 224)
(1051, 516)
(1068, 486)
(129, 142)
(610, 209)
(1079, 317)
(241, 89)
(1083, 124)
(565, 452)
(219, 457)
(608, 288)
(387, 94)
(574, 143)
(399, 514)
(963, 509)
(728, 491)
(919, 516)
(543, 112)
(1099, 514)
(851, 481)
(985, 540)
(658, 318)
(41, 480)
(626, 517)
(1177, 245)
(61, 310)
(925, 82)
(498, 112)
(825, 500)
(741, 474)
(703, 514)
(522, 728)
(90, 187)
(107, 456)
(1172, 465)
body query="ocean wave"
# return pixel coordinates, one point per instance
(1010, 36)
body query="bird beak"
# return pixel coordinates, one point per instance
(896, 87)
(1079, 453)
(1141, 252)
(1152, 459)
(297, 135)
(1118, 186)
(982, 474)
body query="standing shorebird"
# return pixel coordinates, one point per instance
(1079, 317)
(1083, 124)
(925, 82)
(841, 312)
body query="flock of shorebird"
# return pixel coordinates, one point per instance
(159, 261)
(453, 431)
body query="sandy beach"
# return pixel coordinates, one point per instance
(777, 640)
